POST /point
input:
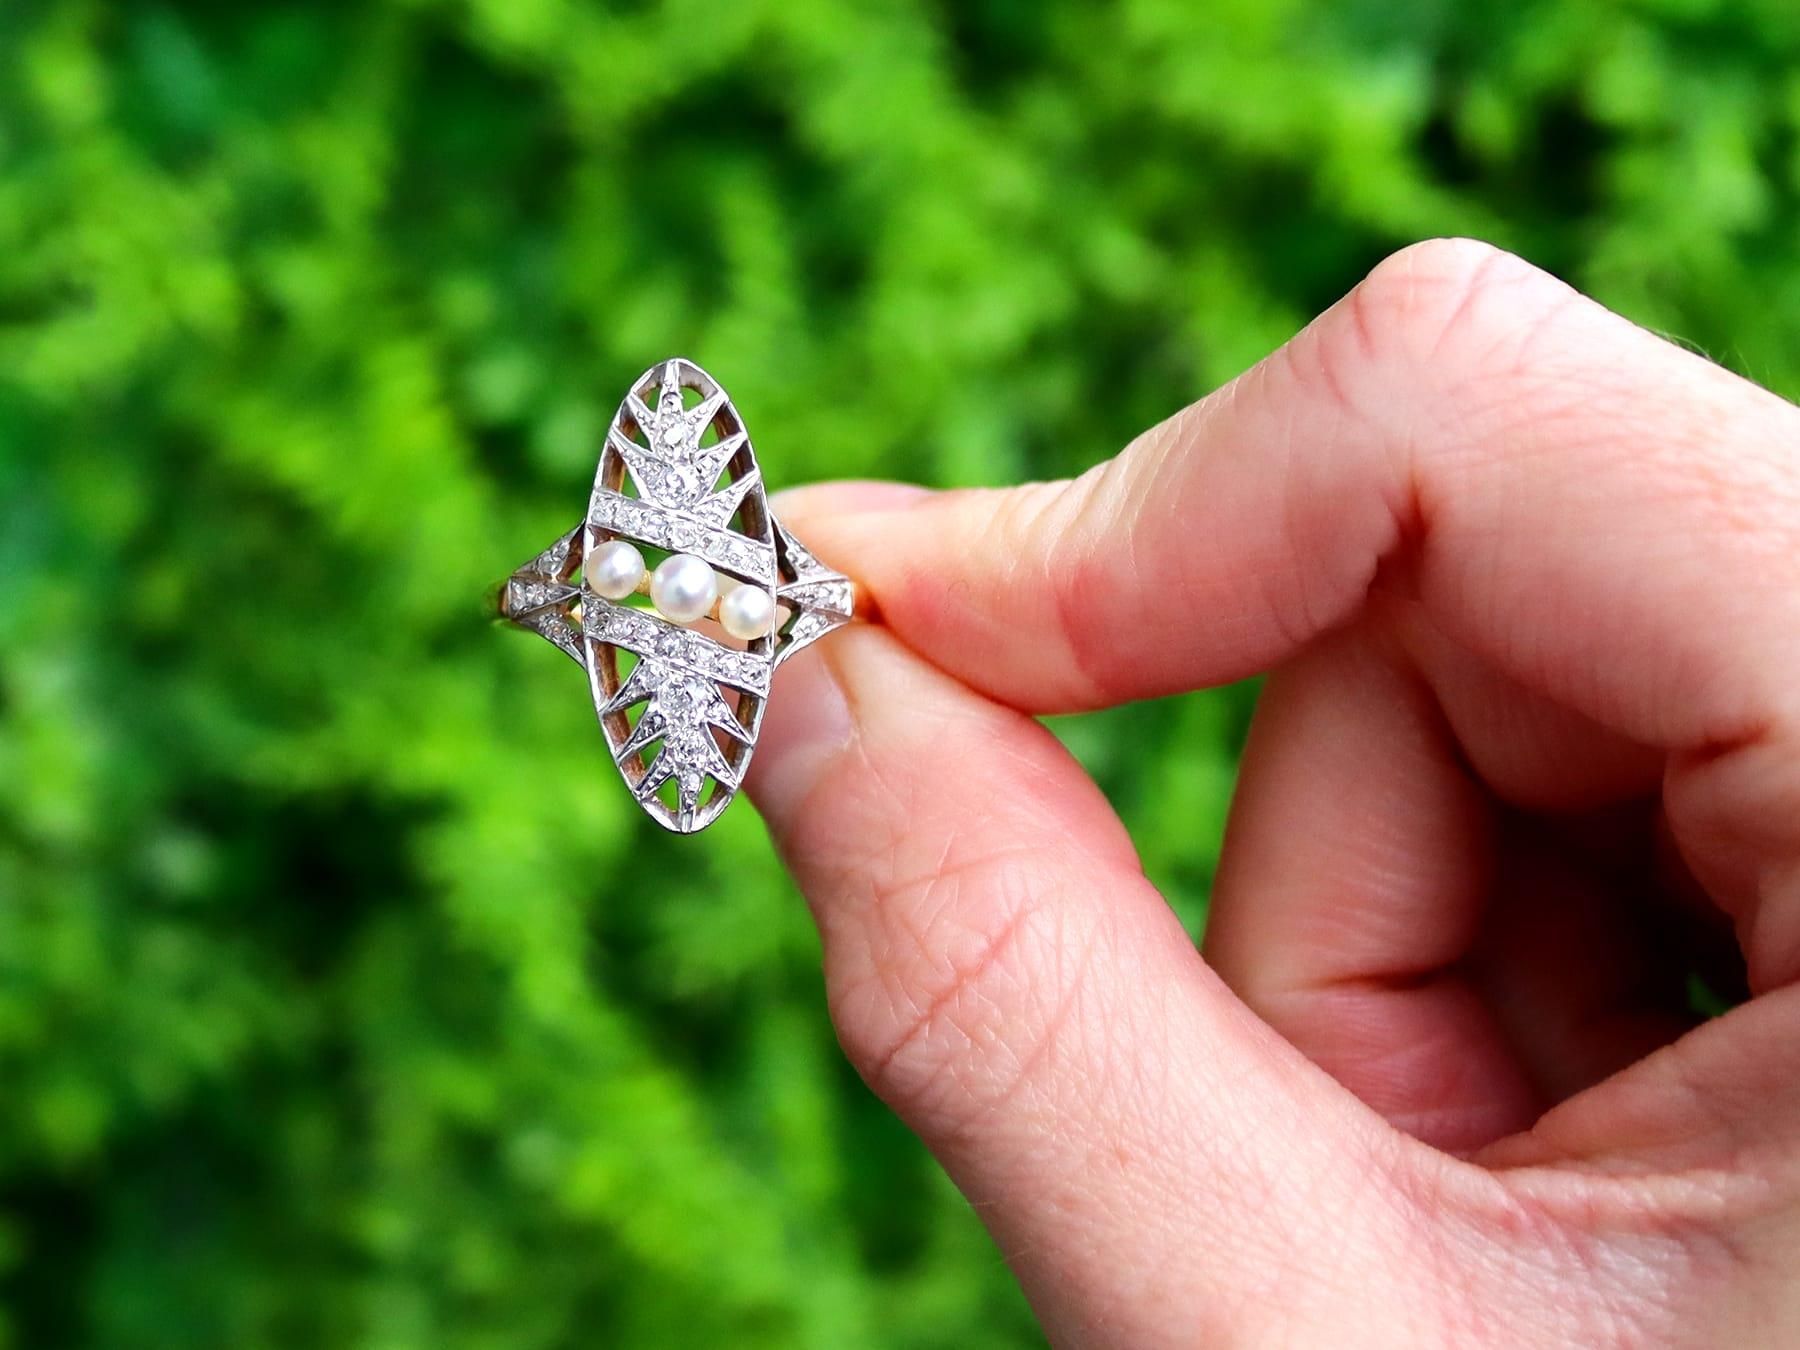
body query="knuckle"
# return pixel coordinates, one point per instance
(955, 989)
(1449, 303)
(1467, 333)
(1428, 289)
(1078, 594)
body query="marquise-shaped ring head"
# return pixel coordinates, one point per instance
(680, 705)
(679, 479)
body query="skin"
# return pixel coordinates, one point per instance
(1527, 579)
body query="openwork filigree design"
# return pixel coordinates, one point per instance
(680, 706)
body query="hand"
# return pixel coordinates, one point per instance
(1529, 582)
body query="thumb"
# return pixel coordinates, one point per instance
(1000, 971)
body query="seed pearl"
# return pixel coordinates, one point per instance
(613, 570)
(747, 612)
(683, 588)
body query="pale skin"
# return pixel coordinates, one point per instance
(1526, 579)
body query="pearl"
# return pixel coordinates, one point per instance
(683, 588)
(747, 612)
(613, 570)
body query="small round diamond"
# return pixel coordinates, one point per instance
(684, 739)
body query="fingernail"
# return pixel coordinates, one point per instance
(806, 727)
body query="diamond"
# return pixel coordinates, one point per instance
(684, 739)
(677, 696)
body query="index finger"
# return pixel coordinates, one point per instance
(1609, 519)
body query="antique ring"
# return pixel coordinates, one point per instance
(679, 683)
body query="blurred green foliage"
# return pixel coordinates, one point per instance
(344, 998)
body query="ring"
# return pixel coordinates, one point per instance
(680, 683)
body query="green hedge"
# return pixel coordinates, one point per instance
(344, 999)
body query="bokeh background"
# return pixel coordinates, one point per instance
(345, 1000)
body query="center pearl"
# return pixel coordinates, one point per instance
(683, 588)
